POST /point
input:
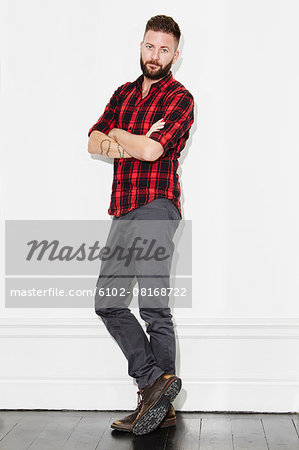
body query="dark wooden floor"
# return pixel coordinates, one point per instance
(87, 430)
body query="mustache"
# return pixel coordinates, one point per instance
(153, 63)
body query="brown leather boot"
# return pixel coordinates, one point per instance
(156, 399)
(126, 424)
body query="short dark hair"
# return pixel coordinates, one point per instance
(165, 24)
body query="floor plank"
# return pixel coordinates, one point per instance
(248, 434)
(55, 433)
(185, 435)
(280, 434)
(87, 434)
(113, 439)
(216, 433)
(7, 421)
(156, 440)
(295, 419)
(23, 433)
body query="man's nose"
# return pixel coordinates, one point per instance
(156, 55)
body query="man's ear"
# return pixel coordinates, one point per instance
(141, 44)
(176, 55)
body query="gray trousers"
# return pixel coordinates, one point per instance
(140, 244)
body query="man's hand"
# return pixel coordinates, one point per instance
(156, 127)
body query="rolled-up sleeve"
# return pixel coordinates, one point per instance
(107, 120)
(178, 118)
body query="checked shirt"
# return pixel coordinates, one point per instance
(135, 182)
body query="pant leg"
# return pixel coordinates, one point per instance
(115, 277)
(162, 338)
(157, 221)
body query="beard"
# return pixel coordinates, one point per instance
(157, 74)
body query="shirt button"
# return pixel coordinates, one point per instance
(118, 182)
(120, 163)
(130, 128)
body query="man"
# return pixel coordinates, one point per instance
(144, 128)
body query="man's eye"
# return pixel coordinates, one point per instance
(148, 46)
(164, 50)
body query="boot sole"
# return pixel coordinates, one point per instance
(166, 424)
(153, 417)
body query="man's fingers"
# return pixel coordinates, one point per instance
(159, 121)
(156, 126)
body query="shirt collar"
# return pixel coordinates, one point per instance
(165, 81)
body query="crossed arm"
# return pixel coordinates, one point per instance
(122, 144)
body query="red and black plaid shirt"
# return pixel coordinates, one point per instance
(135, 182)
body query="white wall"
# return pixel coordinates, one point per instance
(60, 63)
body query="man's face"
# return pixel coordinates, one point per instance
(157, 54)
